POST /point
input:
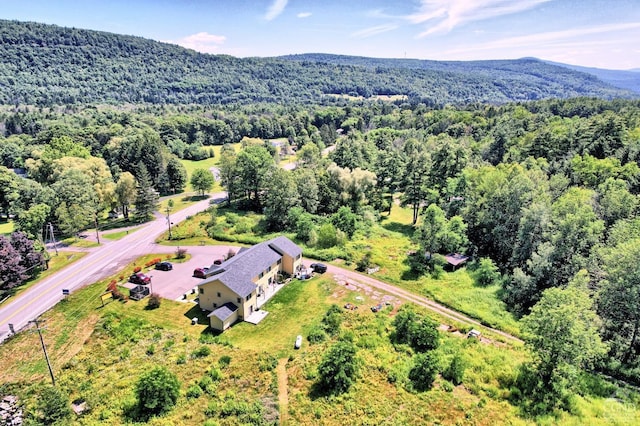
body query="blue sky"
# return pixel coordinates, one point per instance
(597, 33)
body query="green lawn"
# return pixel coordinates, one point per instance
(6, 228)
(113, 236)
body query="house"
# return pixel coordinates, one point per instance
(239, 286)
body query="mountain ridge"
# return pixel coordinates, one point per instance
(43, 64)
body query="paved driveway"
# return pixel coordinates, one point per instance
(173, 284)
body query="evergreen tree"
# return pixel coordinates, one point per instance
(146, 196)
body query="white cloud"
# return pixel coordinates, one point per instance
(368, 32)
(303, 14)
(553, 37)
(201, 42)
(276, 8)
(444, 15)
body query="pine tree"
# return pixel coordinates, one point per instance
(146, 195)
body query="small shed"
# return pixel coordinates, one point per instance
(223, 317)
(454, 260)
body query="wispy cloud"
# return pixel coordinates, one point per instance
(201, 42)
(444, 15)
(368, 32)
(303, 14)
(555, 38)
(276, 8)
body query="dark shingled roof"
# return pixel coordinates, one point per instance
(224, 311)
(238, 272)
(283, 245)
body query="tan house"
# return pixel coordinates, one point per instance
(242, 284)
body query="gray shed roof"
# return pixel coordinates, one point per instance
(224, 311)
(239, 272)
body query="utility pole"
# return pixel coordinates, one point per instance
(95, 219)
(53, 237)
(169, 206)
(44, 349)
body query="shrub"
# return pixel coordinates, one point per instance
(182, 359)
(181, 253)
(215, 374)
(316, 335)
(424, 371)
(194, 391)
(487, 272)
(201, 352)
(424, 335)
(364, 263)
(137, 269)
(224, 361)
(455, 372)
(332, 320)
(53, 406)
(338, 368)
(154, 301)
(157, 391)
(151, 350)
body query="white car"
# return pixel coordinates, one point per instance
(298, 342)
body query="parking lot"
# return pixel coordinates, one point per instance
(173, 284)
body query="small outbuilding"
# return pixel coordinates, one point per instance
(223, 317)
(454, 260)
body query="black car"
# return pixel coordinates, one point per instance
(164, 266)
(320, 268)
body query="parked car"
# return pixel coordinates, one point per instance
(298, 342)
(200, 272)
(218, 261)
(380, 306)
(140, 278)
(474, 334)
(320, 268)
(164, 266)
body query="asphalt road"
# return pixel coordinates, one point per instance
(98, 264)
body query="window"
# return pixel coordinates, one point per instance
(215, 305)
(298, 256)
(201, 290)
(261, 275)
(239, 300)
(269, 269)
(248, 297)
(219, 295)
(279, 261)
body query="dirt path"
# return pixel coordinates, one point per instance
(283, 394)
(345, 275)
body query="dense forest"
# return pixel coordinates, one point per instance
(542, 195)
(47, 65)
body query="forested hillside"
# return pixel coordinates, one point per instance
(45, 65)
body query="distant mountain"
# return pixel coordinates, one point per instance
(46, 64)
(629, 79)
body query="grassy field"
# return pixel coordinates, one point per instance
(98, 353)
(6, 228)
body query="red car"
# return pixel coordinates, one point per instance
(140, 278)
(200, 272)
